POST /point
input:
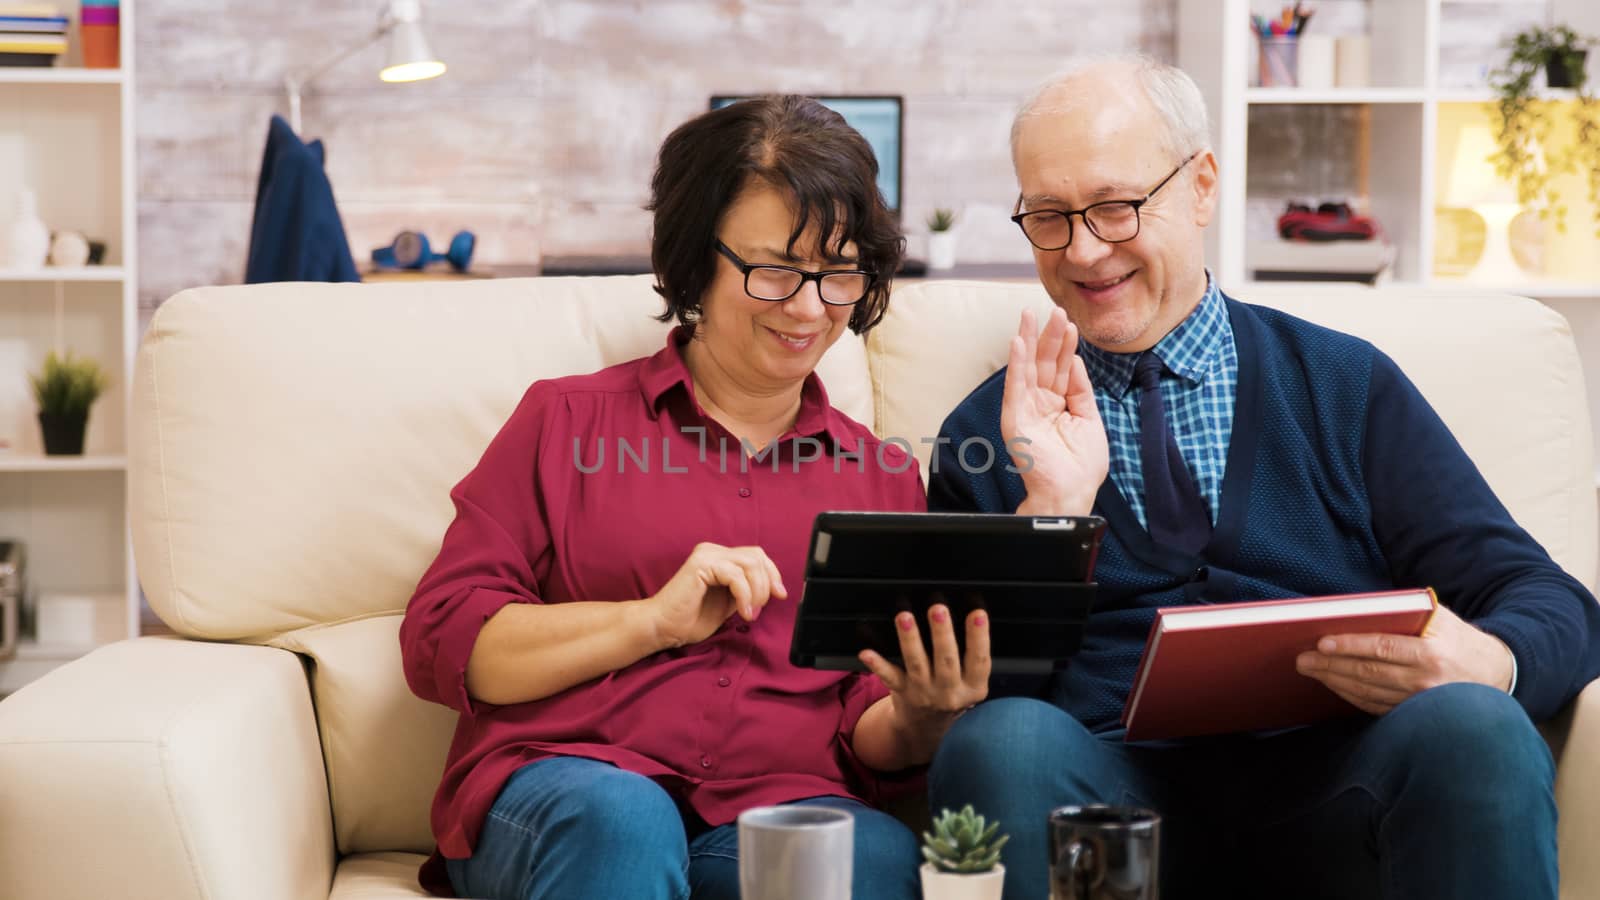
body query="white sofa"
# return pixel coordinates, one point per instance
(292, 452)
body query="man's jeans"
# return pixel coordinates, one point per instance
(567, 828)
(1449, 795)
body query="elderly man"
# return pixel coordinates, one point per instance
(1250, 455)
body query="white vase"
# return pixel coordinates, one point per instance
(28, 240)
(941, 250)
(937, 885)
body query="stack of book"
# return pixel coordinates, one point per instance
(31, 35)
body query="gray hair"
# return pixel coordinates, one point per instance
(1175, 96)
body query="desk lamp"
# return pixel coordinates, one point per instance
(409, 57)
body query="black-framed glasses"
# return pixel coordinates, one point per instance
(836, 287)
(1112, 221)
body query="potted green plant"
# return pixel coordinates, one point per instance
(65, 389)
(1525, 122)
(963, 857)
(941, 239)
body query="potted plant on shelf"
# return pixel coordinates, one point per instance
(941, 239)
(963, 858)
(1525, 122)
(65, 389)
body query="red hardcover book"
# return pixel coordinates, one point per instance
(1230, 667)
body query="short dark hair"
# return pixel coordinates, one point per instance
(795, 144)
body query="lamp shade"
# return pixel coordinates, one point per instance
(410, 58)
(1473, 180)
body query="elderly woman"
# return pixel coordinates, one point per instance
(615, 632)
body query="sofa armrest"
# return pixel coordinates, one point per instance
(1574, 737)
(165, 768)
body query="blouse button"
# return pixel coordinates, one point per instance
(705, 762)
(743, 629)
(744, 492)
(723, 681)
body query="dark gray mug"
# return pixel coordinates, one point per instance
(1104, 853)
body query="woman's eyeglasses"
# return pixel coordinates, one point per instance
(777, 283)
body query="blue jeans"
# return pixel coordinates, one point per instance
(568, 828)
(1449, 795)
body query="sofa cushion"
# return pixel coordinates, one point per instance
(938, 340)
(378, 876)
(294, 445)
(384, 748)
(1502, 371)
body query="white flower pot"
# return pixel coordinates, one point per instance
(937, 885)
(941, 250)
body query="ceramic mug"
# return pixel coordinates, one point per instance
(1102, 852)
(796, 853)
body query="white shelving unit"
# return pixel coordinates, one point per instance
(1408, 124)
(68, 133)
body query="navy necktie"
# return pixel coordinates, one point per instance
(1173, 509)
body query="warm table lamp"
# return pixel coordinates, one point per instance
(409, 58)
(1475, 184)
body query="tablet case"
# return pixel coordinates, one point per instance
(1031, 574)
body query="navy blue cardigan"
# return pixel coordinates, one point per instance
(296, 233)
(1340, 478)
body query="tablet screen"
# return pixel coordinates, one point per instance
(1030, 574)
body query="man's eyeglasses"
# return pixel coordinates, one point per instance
(837, 287)
(1112, 221)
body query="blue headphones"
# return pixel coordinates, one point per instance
(411, 250)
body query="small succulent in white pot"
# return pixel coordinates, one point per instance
(963, 857)
(941, 239)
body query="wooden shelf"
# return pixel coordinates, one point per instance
(1335, 95)
(58, 75)
(28, 462)
(108, 274)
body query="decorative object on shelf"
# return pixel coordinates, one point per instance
(1476, 185)
(32, 35)
(409, 57)
(1278, 46)
(28, 240)
(14, 596)
(1332, 221)
(99, 27)
(411, 250)
(16, 409)
(1528, 234)
(76, 620)
(1279, 62)
(65, 389)
(1365, 262)
(1352, 65)
(69, 249)
(941, 239)
(1524, 121)
(1458, 239)
(1316, 64)
(963, 857)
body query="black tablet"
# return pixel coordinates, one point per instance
(1032, 574)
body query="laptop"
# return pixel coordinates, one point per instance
(1032, 574)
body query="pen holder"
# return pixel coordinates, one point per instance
(1279, 61)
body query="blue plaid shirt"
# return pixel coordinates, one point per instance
(1198, 400)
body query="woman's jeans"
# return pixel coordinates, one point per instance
(565, 828)
(1450, 795)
